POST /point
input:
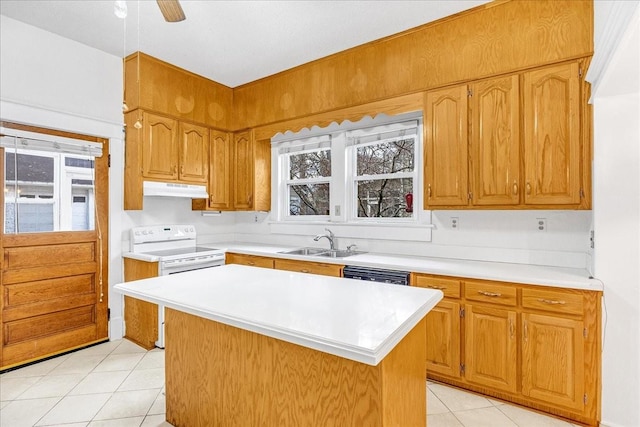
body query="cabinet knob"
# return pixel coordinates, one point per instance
(429, 191)
(490, 294)
(528, 188)
(515, 188)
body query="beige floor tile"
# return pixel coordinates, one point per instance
(4, 403)
(11, 388)
(75, 409)
(100, 382)
(37, 369)
(100, 349)
(78, 364)
(128, 404)
(155, 421)
(434, 405)
(526, 418)
(25, 413)
(159, 406)
(484, 417)
(83, 424)
(120, 422)
(52, 386)
(119, 362)
(127, 347)
(143, 379)
(443, 420)
(458, 400)
(153, 359)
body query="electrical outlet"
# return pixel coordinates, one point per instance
(255, 218)
(455, 223)
(541, 223)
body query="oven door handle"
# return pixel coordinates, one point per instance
(192, 261)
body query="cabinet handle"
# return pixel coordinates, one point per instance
(511, 329)
(175, 168)
(304, 270)
(552, 301)
(515, 188)
(490, 294)
(436, 287)
(251, 263)
(526, 331)
(182, 169)
(429, 191)
(528, 188)
(249, 198)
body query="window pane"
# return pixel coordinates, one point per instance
(384, 198)
(388, 157)
(48, 192)
(310, 165)
(311, 199)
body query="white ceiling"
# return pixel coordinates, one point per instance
(232, 42)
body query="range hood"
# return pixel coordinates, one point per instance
(174, 189)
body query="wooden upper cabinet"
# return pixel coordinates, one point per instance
(159, 147)
(221, 170)
(194, 153)
(446, 148)
(495, 141)
(243, 173)
(252, 172)
(551, 102)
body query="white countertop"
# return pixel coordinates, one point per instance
(357, 320)
(562, 277)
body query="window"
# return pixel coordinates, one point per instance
(49, 184)
(350, 175)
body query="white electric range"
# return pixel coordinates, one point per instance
(175, 250)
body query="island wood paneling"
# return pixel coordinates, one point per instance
(221, 375)
(157, 86)
(140, 317)
(493, 39)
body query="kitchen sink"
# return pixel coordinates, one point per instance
(337, 253)
(305, 251)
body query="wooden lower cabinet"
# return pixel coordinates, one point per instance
(140, 317)
(309, 267)
(250, 260)
(537, 346)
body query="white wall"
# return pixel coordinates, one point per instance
(616, 101)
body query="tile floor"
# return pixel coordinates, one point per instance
(118, 384)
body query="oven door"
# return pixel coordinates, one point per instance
(190, 263)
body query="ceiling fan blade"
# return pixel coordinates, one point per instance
(171, 10)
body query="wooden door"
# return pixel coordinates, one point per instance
(551, 102)
(54, 285)
(243, 171)
(443, 339)
(491, 347)
(495, 141)
(220, 174)
(553, 360)
(446, 152)
(159, 147)
(194, 153)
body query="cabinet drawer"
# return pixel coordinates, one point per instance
(449, 287)
(490, 292)
(549, 300)
(250, 260)
(309, 267)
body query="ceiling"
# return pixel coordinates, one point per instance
(232, 42)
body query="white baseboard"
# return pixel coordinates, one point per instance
(116, 328)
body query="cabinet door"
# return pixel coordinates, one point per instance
(443, 339)
(243, 171)
(250, 260)
(159, 147)
(490, 347)
(309, 267)
(553, 360)
(220, 173)
(495, 142)
(446, 149)
(551, 100)
(194, 153)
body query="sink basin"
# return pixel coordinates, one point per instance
(337, 253)
(305, 251)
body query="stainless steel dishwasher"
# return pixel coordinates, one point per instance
(394, 277)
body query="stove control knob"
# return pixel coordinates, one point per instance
(144, 232)
(191, 229)
(137, 233)
(150, 231)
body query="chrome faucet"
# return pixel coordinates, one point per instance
(330, 236)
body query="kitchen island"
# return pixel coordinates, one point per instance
(247, 346)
